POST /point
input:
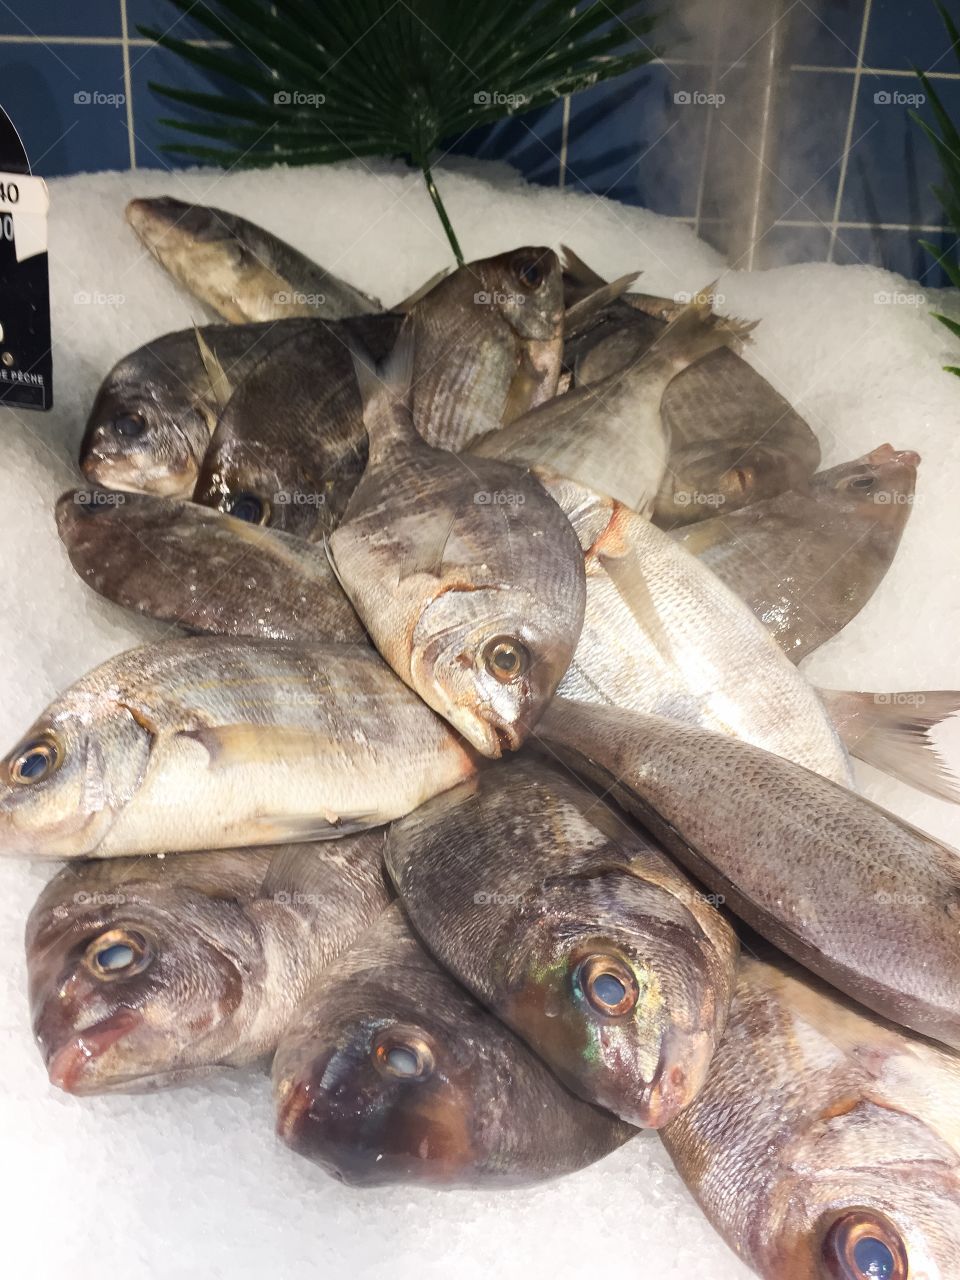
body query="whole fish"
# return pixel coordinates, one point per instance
(465, 572)
(575, 930)
(662, 634)
(242, 271)
(212, 742)
(610, 435)
(392, 1073)
(825, 1144)
(290, 444)
(488, 345)
(149, 972)
(807, 561)
(863, 899)
(183, 563)
(157, 408)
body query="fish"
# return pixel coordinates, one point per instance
(145, 973)
(180, 562)
(661, 634)
(825, 1144)
(807, 561)
(861, 898)
(488, 345)
(610, 435)
(576, 930)
(157, 408)
(466, 574)
(236, 267)
(211, 742)
(392, 1073)
(290, 445)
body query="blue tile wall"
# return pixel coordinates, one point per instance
(623, 139)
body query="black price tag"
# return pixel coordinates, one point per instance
(26, 364)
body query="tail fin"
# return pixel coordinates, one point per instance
(386, 391)
(697, 331)
(577, 272)
(428, 286)
(584, 312)
(891, 731)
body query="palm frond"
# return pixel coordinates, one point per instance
(314, 81)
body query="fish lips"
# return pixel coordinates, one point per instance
(69, 1061)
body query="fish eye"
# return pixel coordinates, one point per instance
(862, 483)
(529, 272)
(863, 1245)
(505, 658)
(607, 983)
(403, 1054)
(740, 479)
(36, 760)
(245, 506)
(118, 953)
(130, 424)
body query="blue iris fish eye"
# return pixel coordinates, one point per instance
(33, 765)
(608, 989)
(245, 506)
(873, 1259)
(118, 956)
(403, 1062)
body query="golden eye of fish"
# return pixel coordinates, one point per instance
(607, 983)
(529, 272)
(505, 658)
(130, 424)
(402, 1053)
(246, 506)
(740, 479)
(118, 953)
(863, 1245)
(36, 760)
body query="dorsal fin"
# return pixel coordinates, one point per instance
(386, 391)
(219, 382)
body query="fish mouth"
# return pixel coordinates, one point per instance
(293, 1110)
(487, 734)
(886, 454)
(67, 1067)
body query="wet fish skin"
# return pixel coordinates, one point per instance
(216, 742)
(466, 574)
(610, 435)
(219, 949)
(663, 635)
(807, 561)
(543, 902)
(820, 1126)
(156, 410)
(180, 562)
(769, 835)
(240, 270)
(290, 446)
(480, 1108)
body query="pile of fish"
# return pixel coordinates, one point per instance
(525, 511)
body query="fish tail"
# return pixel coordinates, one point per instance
(386, 390)
(580, 315)
(697, 331)
(892, 732)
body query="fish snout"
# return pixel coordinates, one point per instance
(72, 1056)
(887, 454)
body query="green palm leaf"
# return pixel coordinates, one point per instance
(313, 81)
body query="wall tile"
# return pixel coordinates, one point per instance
(909, 33)
(60, 18)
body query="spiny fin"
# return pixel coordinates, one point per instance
(419, 294)
(697, 331)
(578, 271)
(580, 314)
(386, 391)
(219, 382)
(428, 556)
(626, 574)
(891, 732)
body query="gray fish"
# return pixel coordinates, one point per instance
(149, 972)
(242, 271)
(825, 1144)
(157, 408)
(290, 446)
(610, 434)
(863, 899)
(575, 930)
(183, 563)
(392, 1073)
(208, 743)
(466, 574)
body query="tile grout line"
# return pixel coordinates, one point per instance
(708, 127)
(564, 142)
(128, 83)
(851, 121)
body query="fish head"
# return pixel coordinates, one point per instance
(260, 484)
(610, 977)
(526, 288)
(703, 481)
(186, 239)
(145, 434)
(134, 985)
(381, 1083)
(488, 660)
(878, 488)
(864, 1191)
(65, 781)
